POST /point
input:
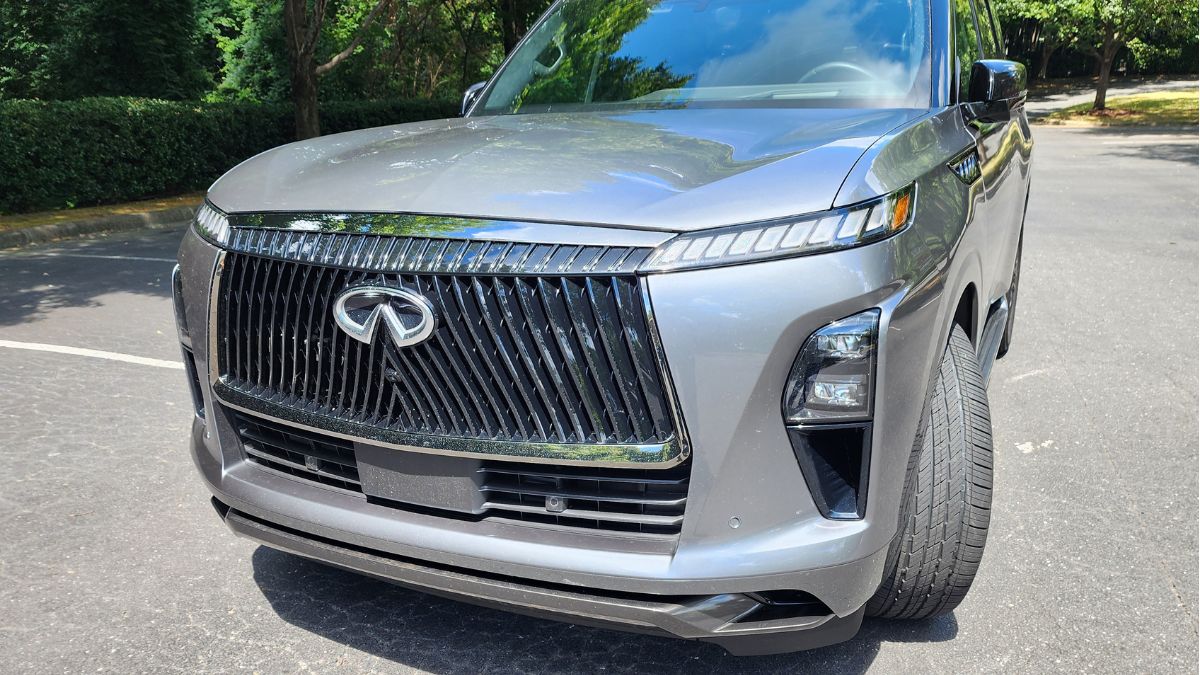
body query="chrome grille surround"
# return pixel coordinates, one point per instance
(516, 290)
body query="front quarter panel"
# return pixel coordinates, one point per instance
(731, 335)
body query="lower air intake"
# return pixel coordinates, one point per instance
(646, 501)
(318, 458)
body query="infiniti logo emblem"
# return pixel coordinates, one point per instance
(407, 316)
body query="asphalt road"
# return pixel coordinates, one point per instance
(112, 559)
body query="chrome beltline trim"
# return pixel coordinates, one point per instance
(646, 456)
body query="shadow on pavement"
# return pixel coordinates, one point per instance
(1168, 144)
(1165, 143)
(443, 636)
(36, 281)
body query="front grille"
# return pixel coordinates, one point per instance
(515, 358)
(645, 501)
(630, 500)
(315, 457)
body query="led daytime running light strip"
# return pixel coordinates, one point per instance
(842, 228)
(212, 225)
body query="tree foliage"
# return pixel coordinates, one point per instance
(1154, 33)
(1106, 26)
(236, 50)
(60, 49)
(102, 150)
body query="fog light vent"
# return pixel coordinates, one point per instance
(834, 460)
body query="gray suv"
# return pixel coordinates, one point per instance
(683, 328)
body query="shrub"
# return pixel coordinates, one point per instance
(56, 154)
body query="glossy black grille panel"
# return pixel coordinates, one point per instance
(624, 500)
(546, 360)
(314, 457)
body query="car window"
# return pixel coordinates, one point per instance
(604, 54)
(967, 46)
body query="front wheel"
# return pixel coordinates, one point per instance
(947, 496)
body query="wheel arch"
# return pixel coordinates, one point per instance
(966, 313)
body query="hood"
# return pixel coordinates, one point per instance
(664, 169)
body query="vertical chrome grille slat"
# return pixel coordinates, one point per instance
(494, 321)
(553, 359)
(598, 368)
(485, 344)
(476, 380)
(537, 371)
(510, 424)
(529, 311)
(625, 372)
(296, 332)
(636, 332)
(460, 385)
(561, 329)
(418, 396)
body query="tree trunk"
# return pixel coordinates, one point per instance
(1048, 49)
(512, 23)
(304, 100)
(301, 33)
(1107, 54)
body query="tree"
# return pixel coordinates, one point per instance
(302, 22)
(515, 17)
(1106, 26)
(1054, 25)
(63, 49)
(247, 54)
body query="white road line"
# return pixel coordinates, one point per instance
(109, 257)
(1018, 378)
(93, 353)
(1147, 141)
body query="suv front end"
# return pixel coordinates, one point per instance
(640, 391)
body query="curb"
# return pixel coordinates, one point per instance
(40, 234)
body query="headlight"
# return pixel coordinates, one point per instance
(832, 378)
(212, 225)
(815, 233)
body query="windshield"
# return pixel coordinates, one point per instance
(600, 54)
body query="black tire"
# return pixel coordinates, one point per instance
(947, 499)
(1006, 340)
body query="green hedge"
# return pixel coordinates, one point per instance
(56, 154)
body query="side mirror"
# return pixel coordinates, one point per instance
(470, 95)
(996, 88)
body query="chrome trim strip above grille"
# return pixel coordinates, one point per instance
(413, 254)
(449, 227)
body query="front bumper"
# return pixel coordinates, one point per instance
(711, 618)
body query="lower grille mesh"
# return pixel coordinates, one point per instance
(630, 500)
(321, 459)
(642, 501)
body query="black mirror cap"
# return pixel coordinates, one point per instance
(470, 95)
(996, 87)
